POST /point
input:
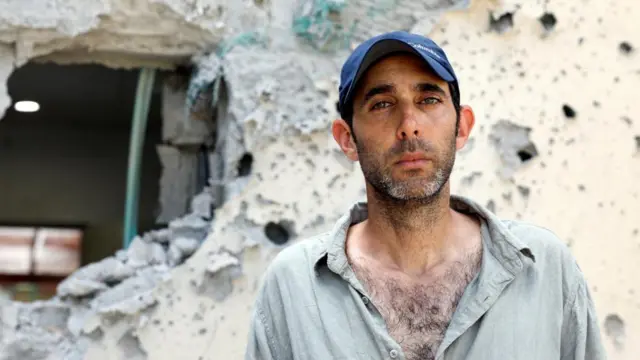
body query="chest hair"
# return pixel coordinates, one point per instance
(417, 313)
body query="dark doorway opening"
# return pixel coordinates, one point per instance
(66, 164)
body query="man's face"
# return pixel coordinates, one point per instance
(404, 124)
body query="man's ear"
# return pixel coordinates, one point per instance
(467, 120)
(342, 135)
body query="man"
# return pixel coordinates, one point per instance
(417, 273)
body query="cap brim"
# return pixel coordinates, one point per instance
(389, 46)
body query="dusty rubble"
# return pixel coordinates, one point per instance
(268, 77)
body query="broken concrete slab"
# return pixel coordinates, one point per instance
(76, 287)
(202, 204)
(131, 293)
(141, 253)
(109, 271)
(187, 246)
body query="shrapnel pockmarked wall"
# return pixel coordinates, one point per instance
(557, 143)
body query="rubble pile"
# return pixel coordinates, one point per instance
(116, 289)
(266, 76)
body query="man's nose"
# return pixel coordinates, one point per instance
(409, 125)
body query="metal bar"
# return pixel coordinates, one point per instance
(136, 145)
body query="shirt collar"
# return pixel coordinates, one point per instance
(509, 250)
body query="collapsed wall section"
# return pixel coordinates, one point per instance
(536, 153)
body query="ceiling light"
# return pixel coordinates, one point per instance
(26, 106)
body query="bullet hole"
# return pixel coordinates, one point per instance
(469, 179)
(614, 328)
(580, 41)
(548, 21)
(637, 138)
(501, 24)
(568, 111)
(277, 233)
(581, 187)
(202, 331)
(596, 103)
(528, 152)
(491, 206)
(507, 196)
(625, 48)
(524, 191)
(513, 144)
(245, 164)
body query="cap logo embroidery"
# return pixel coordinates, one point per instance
(424, 48)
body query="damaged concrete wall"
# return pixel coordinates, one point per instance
(555, 143)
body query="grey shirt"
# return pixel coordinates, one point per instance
(528, 301)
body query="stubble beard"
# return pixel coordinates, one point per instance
(421, 190)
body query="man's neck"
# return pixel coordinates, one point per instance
(411, 236)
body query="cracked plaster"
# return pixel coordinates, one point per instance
(506, 75)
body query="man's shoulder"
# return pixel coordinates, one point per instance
(536, 237)
(551, 254)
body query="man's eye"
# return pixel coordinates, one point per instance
(380, 105)
(431, 100)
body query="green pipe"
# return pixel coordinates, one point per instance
(136, 144)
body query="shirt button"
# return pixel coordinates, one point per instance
(393, 354)
(365, 300)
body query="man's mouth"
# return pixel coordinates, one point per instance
(412, 160)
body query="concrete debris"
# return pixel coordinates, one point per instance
(202, 204)
(174, 256)
(513, 145)
(49, 315)
(131, 295)
(187, 246)
(109, 271)
(142, 253)
(191, 226)
(73, 286)
(161, 236)
(30, 344)
(614, 328)
(131, 306)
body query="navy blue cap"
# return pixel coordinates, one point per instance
(372, 50)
